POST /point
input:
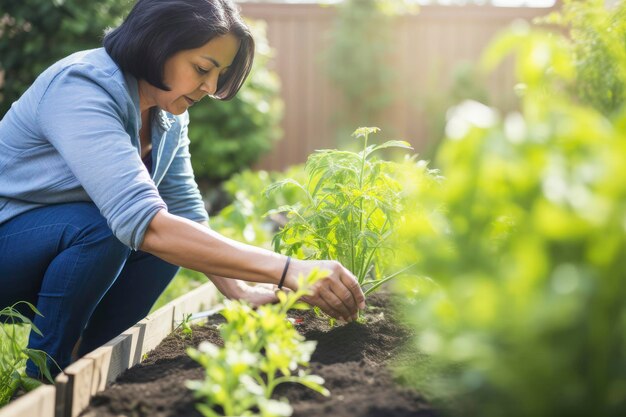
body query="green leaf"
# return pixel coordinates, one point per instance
(29, 384)
(365, 131)
(313, 382)
(393, 144)
(39, 359)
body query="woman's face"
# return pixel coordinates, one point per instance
(191, 75)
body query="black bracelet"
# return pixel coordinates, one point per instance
(282, 278)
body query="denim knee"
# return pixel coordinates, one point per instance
(91, 227)
(73, 260)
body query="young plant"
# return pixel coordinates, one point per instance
(13, 354)
(352, 206)
(261, 350)
(185, 325)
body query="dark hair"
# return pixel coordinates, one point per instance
(154, 30)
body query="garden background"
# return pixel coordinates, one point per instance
(515, 228)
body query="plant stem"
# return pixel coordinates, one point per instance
(361, 174)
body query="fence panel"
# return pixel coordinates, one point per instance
(430, 45)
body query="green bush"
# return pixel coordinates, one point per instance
(246, 218)
(598, 41)
(521, 311)
(227, 136)
(36, 33)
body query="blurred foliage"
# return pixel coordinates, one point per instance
(36, 33)
(598, 41)
(359, 59)
(523, 248)
(228, 136)
(246, 218)
(468, 82)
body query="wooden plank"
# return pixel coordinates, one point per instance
(37, 403)
(80, 373)
(63, 389)
(154, 328)
(113, 358)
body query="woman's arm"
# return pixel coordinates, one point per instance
(194, 246)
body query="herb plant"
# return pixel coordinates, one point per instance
(353, 203)
(14, 354)
(261, 350)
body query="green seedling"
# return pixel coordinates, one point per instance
(261, 350)
(185, 325)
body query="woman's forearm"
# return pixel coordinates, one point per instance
(194, 246)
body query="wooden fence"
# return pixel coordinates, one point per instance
(430, 46)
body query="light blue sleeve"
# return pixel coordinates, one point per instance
(83, 115)
(178, 188)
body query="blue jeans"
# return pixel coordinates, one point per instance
(65, 260)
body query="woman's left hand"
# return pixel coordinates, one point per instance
(255, 295)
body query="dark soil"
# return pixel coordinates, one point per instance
(352, 358)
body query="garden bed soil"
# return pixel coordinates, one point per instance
(352, 358)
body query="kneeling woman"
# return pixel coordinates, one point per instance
(98, 203)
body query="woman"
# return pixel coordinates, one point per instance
(98, 204)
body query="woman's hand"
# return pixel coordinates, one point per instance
(255, 295)
(338, 294)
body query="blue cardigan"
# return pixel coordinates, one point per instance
(74, 136)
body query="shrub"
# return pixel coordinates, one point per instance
(597, 42)
(362, 34)
(523, 245)
(245, 218)
(36, 33)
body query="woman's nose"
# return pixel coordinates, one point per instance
(209, 85)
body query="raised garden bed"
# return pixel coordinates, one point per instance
(352, 358)
(75, 386)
